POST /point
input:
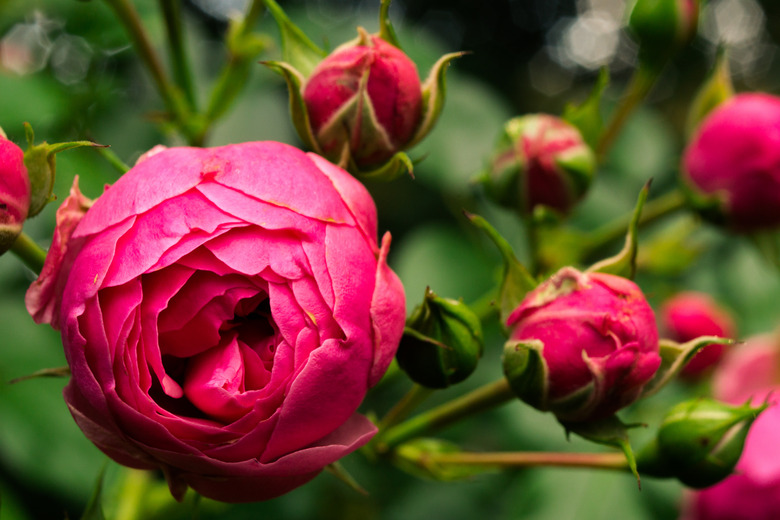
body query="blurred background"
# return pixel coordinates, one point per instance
(67, 68)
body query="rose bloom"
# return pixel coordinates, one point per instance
(689, 315)
(365, 95)
(749, 372)
(735, 158)
(14, 192)
(224, 312)
(598, 338)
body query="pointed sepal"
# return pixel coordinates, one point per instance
(400, 164)
(297, 49)
(587, 116)
(516, 281)
(526, 371)
(674, 356)
(337, 470)
(434, 92)
(717, 88)
(386, 29)
(624, 263)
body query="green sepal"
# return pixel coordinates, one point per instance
(716, 89)
(516, 281)
(434, 91)
(297, 49)
(414, 457)
(45, 372)
(298, 112)
(674, 356)
(526, 371)
(398, 165)
(386, 30)
(609, 432)
(587, 116)
(41, 164)
(624, 263)
(337, 470)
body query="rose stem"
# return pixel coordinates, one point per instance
(236, 71)
(30, 253)
(654, 210)
(132, 494)
(416, 395)
(641, 82)
(179, 60)
(171, 95)
(520, 459)
(479, 400)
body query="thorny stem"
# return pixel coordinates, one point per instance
(32, 255)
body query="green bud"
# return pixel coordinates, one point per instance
(662, 27)
(442, 342)
(699, 442)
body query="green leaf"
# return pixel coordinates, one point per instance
(624, 263)
(517, 281)
(94, 510)
(587, 116)
(674, 356)
(716, 89)
(298, 112)
(434, 92)
(609, 432)
(297, 49)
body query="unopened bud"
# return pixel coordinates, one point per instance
(14, 192)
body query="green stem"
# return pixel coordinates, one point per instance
(642, 81)
(404, 407)
(522, 459)
(172, 97)
(654, 210)
(32, 255)
(114, 160)
(133, 494)
(235, 73)
(486, 305)
(178, 53)
(479, 400)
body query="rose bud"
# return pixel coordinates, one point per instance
(442, 342)
(14, 192)
(540, 160)
(365, 96)
(661, 27)
(224, 326)
(748, 371)
(732, 165)
(700, 441)
(582, 345)
(689, 315)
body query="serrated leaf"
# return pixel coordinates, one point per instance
(297, 49)
(624, 263)
(674, 356)
(517, 281)
(587, 116)
(434, 92)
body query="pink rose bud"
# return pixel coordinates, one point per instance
(748, 373)
(14, 192)
(732, 164)
(365, 96)
(224, 325)
(689, 315)
(540, 160)
(582, 345)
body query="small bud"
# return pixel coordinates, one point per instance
(442, 342)
(661, 27)
(731, 167)
(14, 192)
(540, 160)
(582, 345)
(699, 442)
(689, 315)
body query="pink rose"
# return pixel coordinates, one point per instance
(224, 312)
(367, 96)
(732, 163)
(687, 316)
(598, 341)
(748, 372)
(14, 192)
